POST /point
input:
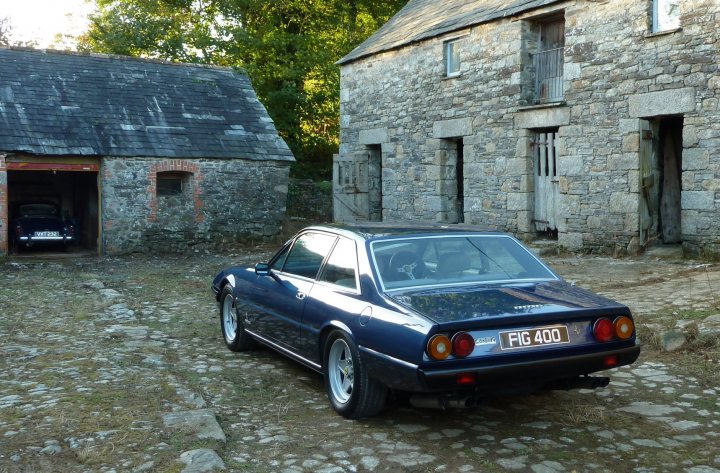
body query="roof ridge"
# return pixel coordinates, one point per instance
(122, 57)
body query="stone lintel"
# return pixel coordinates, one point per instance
(452, 128)
(375, 136)
(543, 118)
(665, 102)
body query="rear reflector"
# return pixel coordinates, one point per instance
(463, 379)
(610, 361)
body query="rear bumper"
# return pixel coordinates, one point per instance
(532, 374)
(47, 239)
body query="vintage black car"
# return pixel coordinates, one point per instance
(448, 314)
(40, 223)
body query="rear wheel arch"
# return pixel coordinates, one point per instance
(325, 332)
(352, 392)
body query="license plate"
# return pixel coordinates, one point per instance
(46, 234)
(534, 337)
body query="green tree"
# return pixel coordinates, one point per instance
(287, 47)
(6, 34)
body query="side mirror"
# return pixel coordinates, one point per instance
(262, 269)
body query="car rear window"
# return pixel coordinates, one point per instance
(453, 260)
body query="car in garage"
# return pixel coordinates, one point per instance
(447, 315)
(40, 223)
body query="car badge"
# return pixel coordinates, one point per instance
(528, 307)
(485, 341)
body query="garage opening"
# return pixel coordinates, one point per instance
(72, 194)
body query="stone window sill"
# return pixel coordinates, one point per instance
(561, 103)
(657, 34)
(452, 76)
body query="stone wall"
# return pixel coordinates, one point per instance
(222, 203)
(309, 200)
(4, 231)
(616, 74)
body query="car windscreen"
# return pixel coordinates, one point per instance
(38, 210)
(454, 260)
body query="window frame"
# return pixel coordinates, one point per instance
(655, 26)
(356, 288)
(172, 176)
(291, 248)
(450, 47)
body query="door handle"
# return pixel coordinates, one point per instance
(300, 296)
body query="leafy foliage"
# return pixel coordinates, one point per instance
(6, 34)
(288, 47)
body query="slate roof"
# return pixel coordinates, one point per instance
(424, 19)
(56, 103)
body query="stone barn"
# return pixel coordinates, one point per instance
(593, 122)
(143, 155)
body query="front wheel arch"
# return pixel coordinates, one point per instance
(231, 324)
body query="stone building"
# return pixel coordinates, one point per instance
(594, 121)
(143, 155)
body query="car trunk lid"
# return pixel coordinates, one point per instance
(536, 300)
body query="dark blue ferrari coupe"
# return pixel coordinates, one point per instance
(446, 314)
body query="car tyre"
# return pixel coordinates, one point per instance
(233, 330)
(352, 392)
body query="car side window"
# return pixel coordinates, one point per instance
(279, 260)
(341, 268)
(308, 253)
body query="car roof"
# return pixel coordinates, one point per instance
(373, 230)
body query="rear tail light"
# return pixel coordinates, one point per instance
(603, 330)
(71, 229)
(18, 230)
(624, 327)
(462, 344)
(439, 347)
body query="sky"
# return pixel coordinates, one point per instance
(41, 20)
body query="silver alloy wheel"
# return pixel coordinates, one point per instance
(229, 319)
(340, 371)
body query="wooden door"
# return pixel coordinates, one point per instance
(351, 199)
(547, 188)
(649, 184)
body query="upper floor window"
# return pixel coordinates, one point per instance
(452, 58)
(548, 61)
(665, 15)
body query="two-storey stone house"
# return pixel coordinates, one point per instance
(594, 121)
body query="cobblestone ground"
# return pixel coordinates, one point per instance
(116, 364)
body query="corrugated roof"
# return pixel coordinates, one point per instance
(55, 103)
(424, 19)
